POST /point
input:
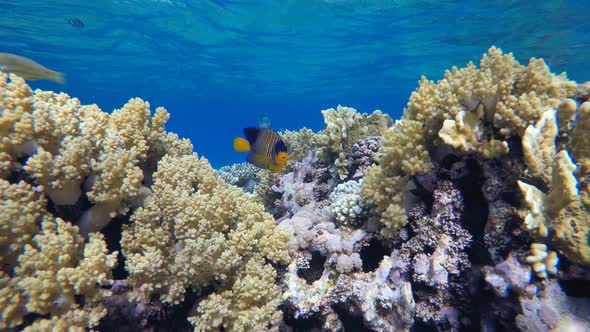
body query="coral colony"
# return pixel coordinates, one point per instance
(470, 212)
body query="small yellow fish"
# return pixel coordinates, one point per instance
(266, 146)
(28, 69)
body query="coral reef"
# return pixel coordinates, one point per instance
(328, 274)
(471, 212)
(473, 185)
(364, 153)
(307, 184)
(347, 204)
(69, 169)
(243, 175)
(300, 143)
(195, 230)
(344, 127)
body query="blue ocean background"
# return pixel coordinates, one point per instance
(217, 65)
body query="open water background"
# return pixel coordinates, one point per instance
(216, 65)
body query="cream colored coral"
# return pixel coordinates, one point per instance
(431, 104)
(195, 230)
(466, 133)
(53, 269)
(250, 305)
(519, 111)
(62, 159)
(544, 262)
(535, 91)
(405, 150)
(16, 121)
(55, 115)
(538, 146)
(579, 139)
(535, 220)
(118, 169)
(12, 301)
(72, 321)
(386, 194)
(462, 90)
(537, 76)
(564, 191)
(560, 214)
(513, 96)
(21, 209)
(462, 107)
(344, 127)
(127, 140)
(566, 115)
(404, 154)
(300, 143)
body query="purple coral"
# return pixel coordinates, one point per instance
(552, 309)
(305, 185)
(436, 257)
(510, 275)
(364, 153)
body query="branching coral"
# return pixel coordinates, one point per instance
(53, 270)
(404, 154)
(580, 140)
(67, 143)
(21, 208)
(513, 96)
(50, 275)
(560, 214)
(117, 171)
(16, 121)
(250, 305)
(195, 230)
(466, 110)
(386, 194)
(344, 127)
(466, 134)
(300, 143)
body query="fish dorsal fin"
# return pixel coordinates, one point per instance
(251, 134)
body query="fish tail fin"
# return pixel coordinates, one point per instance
(59, 77)
(241, 144)
(55, 76)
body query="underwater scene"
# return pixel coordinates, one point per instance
(310, 165)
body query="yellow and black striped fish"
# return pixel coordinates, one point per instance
(266, 146)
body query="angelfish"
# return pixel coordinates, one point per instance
(267, 148)
(28, 69)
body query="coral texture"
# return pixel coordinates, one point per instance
(344, 127)
(470, 212)
(195, 230)
(69, 169)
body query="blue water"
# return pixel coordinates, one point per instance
(216, 65)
